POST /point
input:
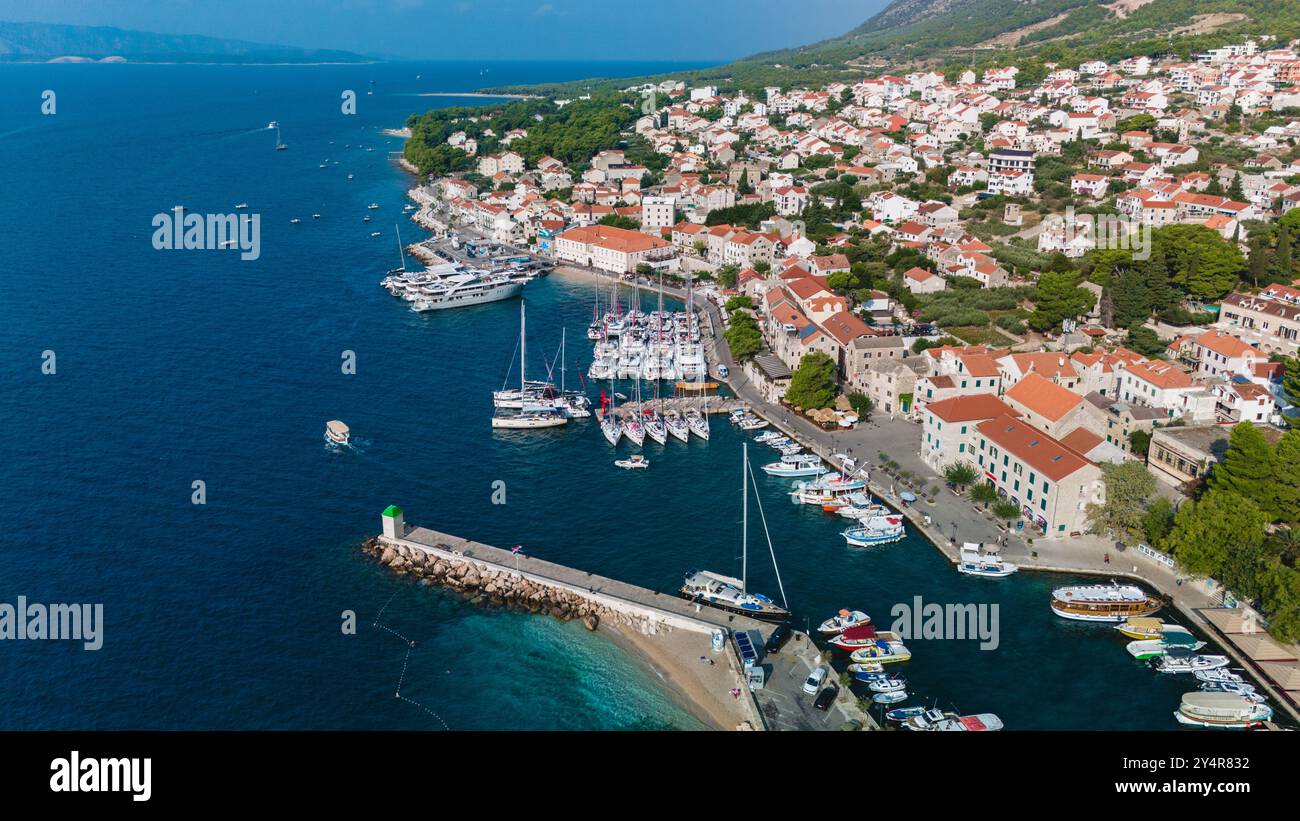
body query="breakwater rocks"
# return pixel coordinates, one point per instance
(482, 584)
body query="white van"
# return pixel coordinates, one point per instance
(814, 682)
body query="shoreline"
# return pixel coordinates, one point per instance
(673, 657)
(478, 95)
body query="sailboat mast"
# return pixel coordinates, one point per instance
(523, 349)
(744, 518)
(401, 252)
(562, 333)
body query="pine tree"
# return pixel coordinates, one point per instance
(1282, 257)
(1130, 297)
(1159, 290)
(1234, 190)
(1286, 478)
(1247, 468)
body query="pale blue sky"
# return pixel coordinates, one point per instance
(702, 30)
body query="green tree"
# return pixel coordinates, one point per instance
(1200, 260)
(1206, 530)
(743, 336)
(961, 475)
(1129, 486)
(727, 276)
(1130, 297)
(1139, 442)
(1059, 298)
(1247, 467)
(737, 302)
(813, 383)
(985, 493)
(1159, 520)
(861, 404)
(1285, 488)
(1143, 340)
(1006, 509)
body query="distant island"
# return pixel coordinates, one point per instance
(48, 42)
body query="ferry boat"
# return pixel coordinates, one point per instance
(796, 466)
(1222, 710)
(634, 462)
(728, 593)
(1112, 602)
(337, 432)
(876, 530)
(974, 562)
(843, 621)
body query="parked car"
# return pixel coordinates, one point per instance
(779, 637)
(815, 680)
(826, 698)
(724, 371)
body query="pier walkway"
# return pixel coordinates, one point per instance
(779, 705)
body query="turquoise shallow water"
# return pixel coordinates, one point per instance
(177, 366)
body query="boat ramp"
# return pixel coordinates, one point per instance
(512, 577)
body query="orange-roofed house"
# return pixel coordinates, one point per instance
(948, 427)
(1050, 483)
(1054, 366)
(617, 250)
(1156, 384)
(1217, 353)
(1046, 405)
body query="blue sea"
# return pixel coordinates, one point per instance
(180, 366)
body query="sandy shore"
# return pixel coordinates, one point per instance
(703, 689)
(404, 133)
(478, 94)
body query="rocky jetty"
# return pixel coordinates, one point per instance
(483, 584)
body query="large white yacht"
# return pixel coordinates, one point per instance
(459, 290)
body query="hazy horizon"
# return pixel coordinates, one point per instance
(451, 30)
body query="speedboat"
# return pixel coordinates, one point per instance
(295, 221)
(892, 697)
(753, 423)
(876, 530)
(854, 638)
(1180, 659)
(867, 671)
(885, 648)
(769, 436)
(886, 683)
(901, 714)
(1151, 648)
(1223, 710)
(975, 562)
(843, 621)
(634, 462)
(372, 206)
(240, 206)
(1112, 602)
(337, 432)
(1218, 675)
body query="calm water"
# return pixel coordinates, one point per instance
(183, 366)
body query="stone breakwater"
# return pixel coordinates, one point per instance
(485, 585)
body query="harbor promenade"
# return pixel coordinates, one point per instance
(668, 629)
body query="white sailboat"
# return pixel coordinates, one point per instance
(632, 427)
(609, 424)
(677, 427)
(530, 415)
(732, 594)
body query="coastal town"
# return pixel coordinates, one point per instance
(1071, 289)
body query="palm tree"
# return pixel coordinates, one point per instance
(961, 475)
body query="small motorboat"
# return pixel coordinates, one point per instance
(892, 697)
(634, 462)
(866, 671)
(1151, 648)
(374, 233)
(876, 530)
(337, 432)
(975, 561)
(855, 637)
(372, 206)
(315, 216)
(900, 714)
(240, 206)
(1180, 659)
(887, 684)
(295, 221)
(843, 621)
